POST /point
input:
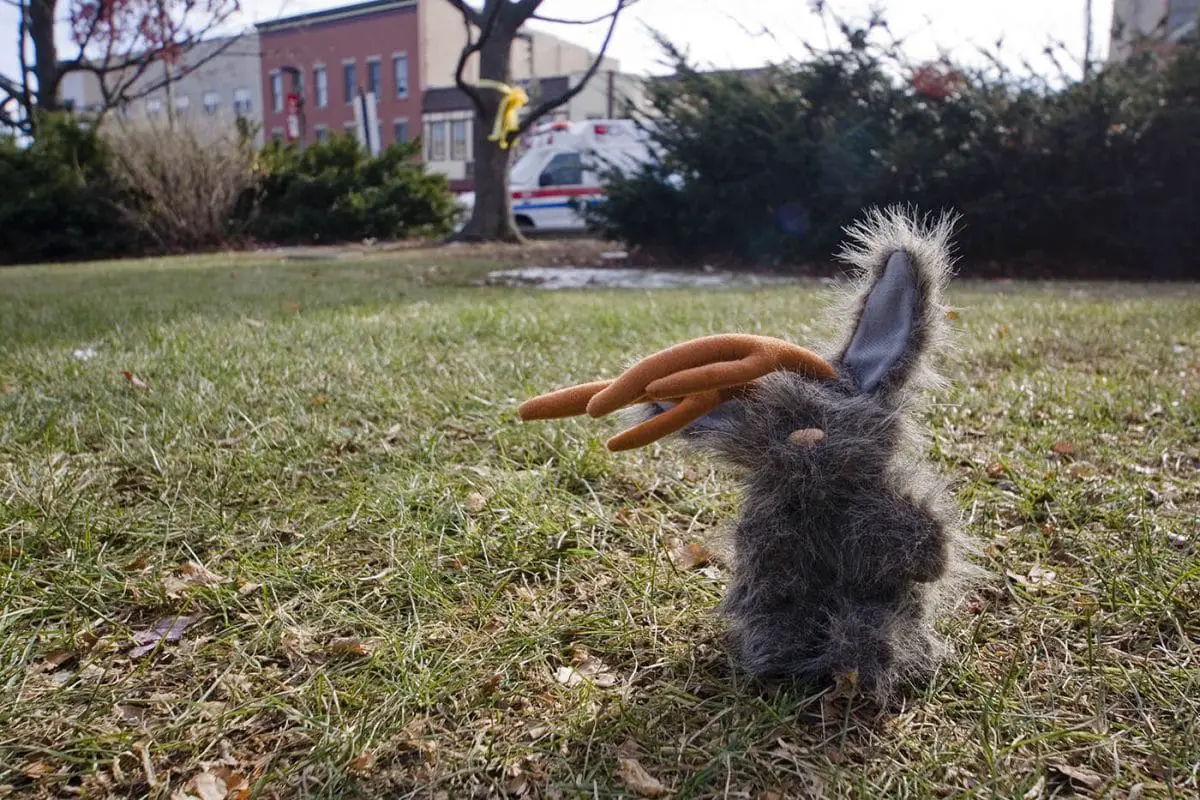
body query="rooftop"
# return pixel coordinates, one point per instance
(334, 14)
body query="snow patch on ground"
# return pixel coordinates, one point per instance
(554, 278)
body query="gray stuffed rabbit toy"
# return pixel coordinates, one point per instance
(848, 548)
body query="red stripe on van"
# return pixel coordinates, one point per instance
(556, 191)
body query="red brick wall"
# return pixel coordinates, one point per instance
(379, 34)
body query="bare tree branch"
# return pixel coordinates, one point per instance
(539, 111)
(472, 48)
(469, 14)
(592, 21)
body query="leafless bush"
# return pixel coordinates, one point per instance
(187, 176)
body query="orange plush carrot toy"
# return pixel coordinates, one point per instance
(697, 375)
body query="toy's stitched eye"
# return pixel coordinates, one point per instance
(806, 436)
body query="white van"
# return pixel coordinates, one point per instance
(558, 171)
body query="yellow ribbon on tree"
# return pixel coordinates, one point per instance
(507, 121)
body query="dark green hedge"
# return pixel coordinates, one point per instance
(1087, 178)
(335, 191)
(59, 200)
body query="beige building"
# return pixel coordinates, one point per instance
(545, 65)
(1157, 24)
(225, 84)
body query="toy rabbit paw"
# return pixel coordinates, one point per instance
(848, 548)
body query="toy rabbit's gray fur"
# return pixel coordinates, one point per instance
(848, 549)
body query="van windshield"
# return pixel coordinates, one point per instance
(525, 170)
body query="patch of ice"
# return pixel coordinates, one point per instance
(554, 278)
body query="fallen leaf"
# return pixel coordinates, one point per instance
(196, 573)
(568, 676)
(349, 646)
(1036, 790)
(692, 556)
(320, 400)
(1002, 331)
(135, 381)
(37, 769)
(537, 732)
(995, 470)
(167, 629)
(1135, 791)
(1042, 575)
(691, 474)
(135, 714)
(362, 763)
(254, 323)
(207, 786)
(476, 502)
(1079, 776)
(56, 659)
(138, 563)
(951, 314)
(634, 775)
(393, 434)
(248, 589)
(8, 388)
(1064, 448)
(292, 308)
(491, 684)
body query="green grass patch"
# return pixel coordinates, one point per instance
(388, 577)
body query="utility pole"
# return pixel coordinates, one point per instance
(1087, 39)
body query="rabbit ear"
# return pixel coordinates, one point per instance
(899, 318)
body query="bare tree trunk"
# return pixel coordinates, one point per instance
(45, 53)
(491, 218)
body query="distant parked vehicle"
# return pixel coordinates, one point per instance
(558, 173)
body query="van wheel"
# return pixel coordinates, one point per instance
(524, 225)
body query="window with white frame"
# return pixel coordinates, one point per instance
(277, 134)
(374, 77)
(349, 81)
(154, 107)
(435, 150)
(182, 103)
(241, 102)
(400, 131)
(321, 86)
(458, 140)
(322, 133)
(400, 71)
(212, 101)
(277, 91)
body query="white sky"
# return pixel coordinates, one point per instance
(745, 33)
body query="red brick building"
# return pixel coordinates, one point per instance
(326, 57)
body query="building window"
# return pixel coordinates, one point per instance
(211, 101)
(437, 142)
(400, 68)
(321, 86)
(322, 133)
(241, 101)
(153, 107)
(400, 130)
(182, 104)
(276, 92)
(458, 140)
(349, 82)
(277, 134)
(373, 78)
(1180, 14)
(565, 169)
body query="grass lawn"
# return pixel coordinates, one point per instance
(391, 587)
